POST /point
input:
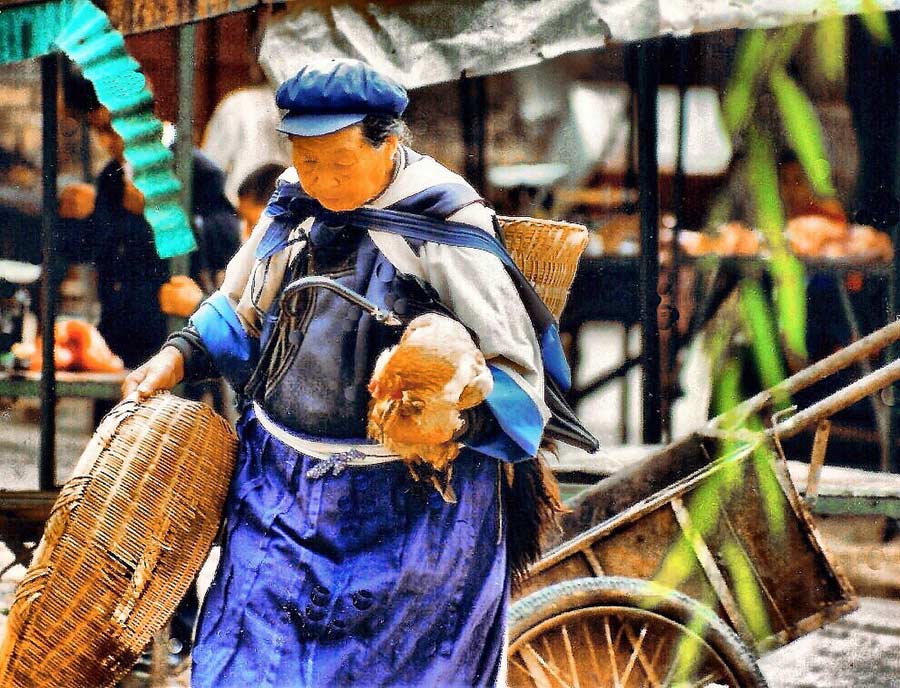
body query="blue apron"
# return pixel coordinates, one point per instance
(365, 578)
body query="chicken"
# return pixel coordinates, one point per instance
(418, 389)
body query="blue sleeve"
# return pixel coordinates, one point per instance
(519, 421)
(233, 351)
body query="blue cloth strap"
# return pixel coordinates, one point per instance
(290, 204)
(234, 352)
(459, 234)
(518, 417)
(440, 200)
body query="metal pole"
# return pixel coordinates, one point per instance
(893, 460)
(838, 401)
(473, 111)
(49, 281)
(630, 180)
(184, 128)
(683, 52)
(670, 342)
(893, 453)
(648, 203)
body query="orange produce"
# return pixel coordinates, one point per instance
(77, 346)
(63, 358)
(88, 347)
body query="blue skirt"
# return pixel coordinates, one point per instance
(366, 578)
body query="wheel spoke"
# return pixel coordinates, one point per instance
(634, 655)
(590, 644)
(643, 648)
(620, 632)
(571, 656)
(532, 669)
(705, 681)
(549, 653)
(612, 652)
(552, 669)
(684, 664)
(646, 664)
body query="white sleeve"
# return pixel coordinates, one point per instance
(476, 285)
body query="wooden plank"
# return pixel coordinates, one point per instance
(137, 17)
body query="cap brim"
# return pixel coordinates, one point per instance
(317, 125)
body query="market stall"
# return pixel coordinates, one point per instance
(648, 266)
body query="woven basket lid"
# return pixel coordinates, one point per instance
(127, 535)
(547, 252)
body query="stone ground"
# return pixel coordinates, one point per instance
(861, 650)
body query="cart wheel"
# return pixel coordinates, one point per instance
(623, 633)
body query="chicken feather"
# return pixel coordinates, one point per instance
(418, 389)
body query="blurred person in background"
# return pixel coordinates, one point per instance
(242, 135)
(181, 295)
(104, 224)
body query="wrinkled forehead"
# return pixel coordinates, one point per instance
(347, 140)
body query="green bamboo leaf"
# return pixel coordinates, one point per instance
(746, 589)
(831, 44)
(803, 129)
(678, 565)
(687, 653)
(875, 20)
(760, 329)
(770, 490)
(757, 52)
(727, 389)
(790, 280)
(790, 301)
(763, 177)
(738, 98)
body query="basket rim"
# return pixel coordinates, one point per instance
(513, 219)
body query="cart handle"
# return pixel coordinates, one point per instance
(824, 408)
(821, 369)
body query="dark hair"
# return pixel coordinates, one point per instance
(376, 127)
(260, 183)
(78, 91)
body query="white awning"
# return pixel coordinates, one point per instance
(422, 43)
(434, 41)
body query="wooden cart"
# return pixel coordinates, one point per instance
(683, 568)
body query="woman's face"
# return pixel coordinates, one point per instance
(342, 170)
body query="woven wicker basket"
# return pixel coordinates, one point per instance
(128, 533)
(547, 253)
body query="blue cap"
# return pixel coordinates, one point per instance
(328, 95)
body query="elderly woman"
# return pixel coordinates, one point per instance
(338, 567)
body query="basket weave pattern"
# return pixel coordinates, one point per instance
(125, 538)
(547, 253)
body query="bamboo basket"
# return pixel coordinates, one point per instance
(127, 535)
(547, 253)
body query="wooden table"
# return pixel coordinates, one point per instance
(68, 384)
